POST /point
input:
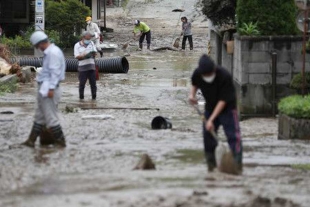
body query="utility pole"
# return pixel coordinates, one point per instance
(39, 22)
(105, 15)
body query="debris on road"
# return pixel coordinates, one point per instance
(178, 10)
(6, 112)
(145, 163)
(164, 48)
(6, 66)
(160, 122)
(98, 117)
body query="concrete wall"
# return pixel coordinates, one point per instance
(251, 68)
(291, 128)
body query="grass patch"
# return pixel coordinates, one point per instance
(301, 166)
(295, 106)
(189, 156)
(8, 87)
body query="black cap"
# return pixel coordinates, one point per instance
(206, 65)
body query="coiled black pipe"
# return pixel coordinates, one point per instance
(106, 65)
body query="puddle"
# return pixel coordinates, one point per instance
(189, 156)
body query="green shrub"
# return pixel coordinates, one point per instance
(295, 106)
(249, 29)
(296, 82)
(23, 41)
(9, 87)
(16, 42)
(273, 17)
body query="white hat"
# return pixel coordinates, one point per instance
(136, 22)
(38, 37)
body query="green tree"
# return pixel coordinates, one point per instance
(273, 17)
(220, 11)
(66, 17)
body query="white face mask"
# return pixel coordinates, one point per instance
(88, 22)
(209, 79)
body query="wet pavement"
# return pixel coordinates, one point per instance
(96, 168)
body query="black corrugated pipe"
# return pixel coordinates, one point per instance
(106, 65)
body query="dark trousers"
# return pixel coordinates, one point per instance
(148, 36)
(230, 122)
(91, 76)
(190, 40)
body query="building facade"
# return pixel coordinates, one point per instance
(17, 15)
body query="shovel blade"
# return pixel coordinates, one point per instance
(225, 160)
(177, 43)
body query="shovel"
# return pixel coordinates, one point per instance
(177, 42)
(223, 155)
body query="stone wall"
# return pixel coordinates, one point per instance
(291, 128)
(251, 68)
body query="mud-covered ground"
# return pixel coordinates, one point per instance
(96, 167)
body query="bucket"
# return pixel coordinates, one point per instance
(160, 122)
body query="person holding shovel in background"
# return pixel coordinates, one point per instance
(145, 31)
(187, 33)
(85, 51)
(49, 92)
(217, 87)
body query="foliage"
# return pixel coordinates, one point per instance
(296, 82)
(9, 87)
(16, 42)
(249, 29)
(295, 106)
(220, 12)
(273, 17)
(23, 41)
(301, 166)
(67, 18)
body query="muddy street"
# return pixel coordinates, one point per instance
(96, 167)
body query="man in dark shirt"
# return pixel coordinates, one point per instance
(218, 90)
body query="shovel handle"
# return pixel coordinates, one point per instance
(203, 118)
(214, 135)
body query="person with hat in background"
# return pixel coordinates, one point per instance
(187, 33)
(217, 88)
(93, 28)
(49, 93)
(145, 31)
(85, 51)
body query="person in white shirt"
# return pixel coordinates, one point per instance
(49, 93)
(95, 31)
(85, 51)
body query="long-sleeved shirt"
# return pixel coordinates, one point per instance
(142, 27)
(187, 28)
(53, 68)
(81, 49)
(93, 28)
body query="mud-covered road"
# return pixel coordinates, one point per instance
(96, 167)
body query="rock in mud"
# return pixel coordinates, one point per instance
(71, 109)
(145, 163)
